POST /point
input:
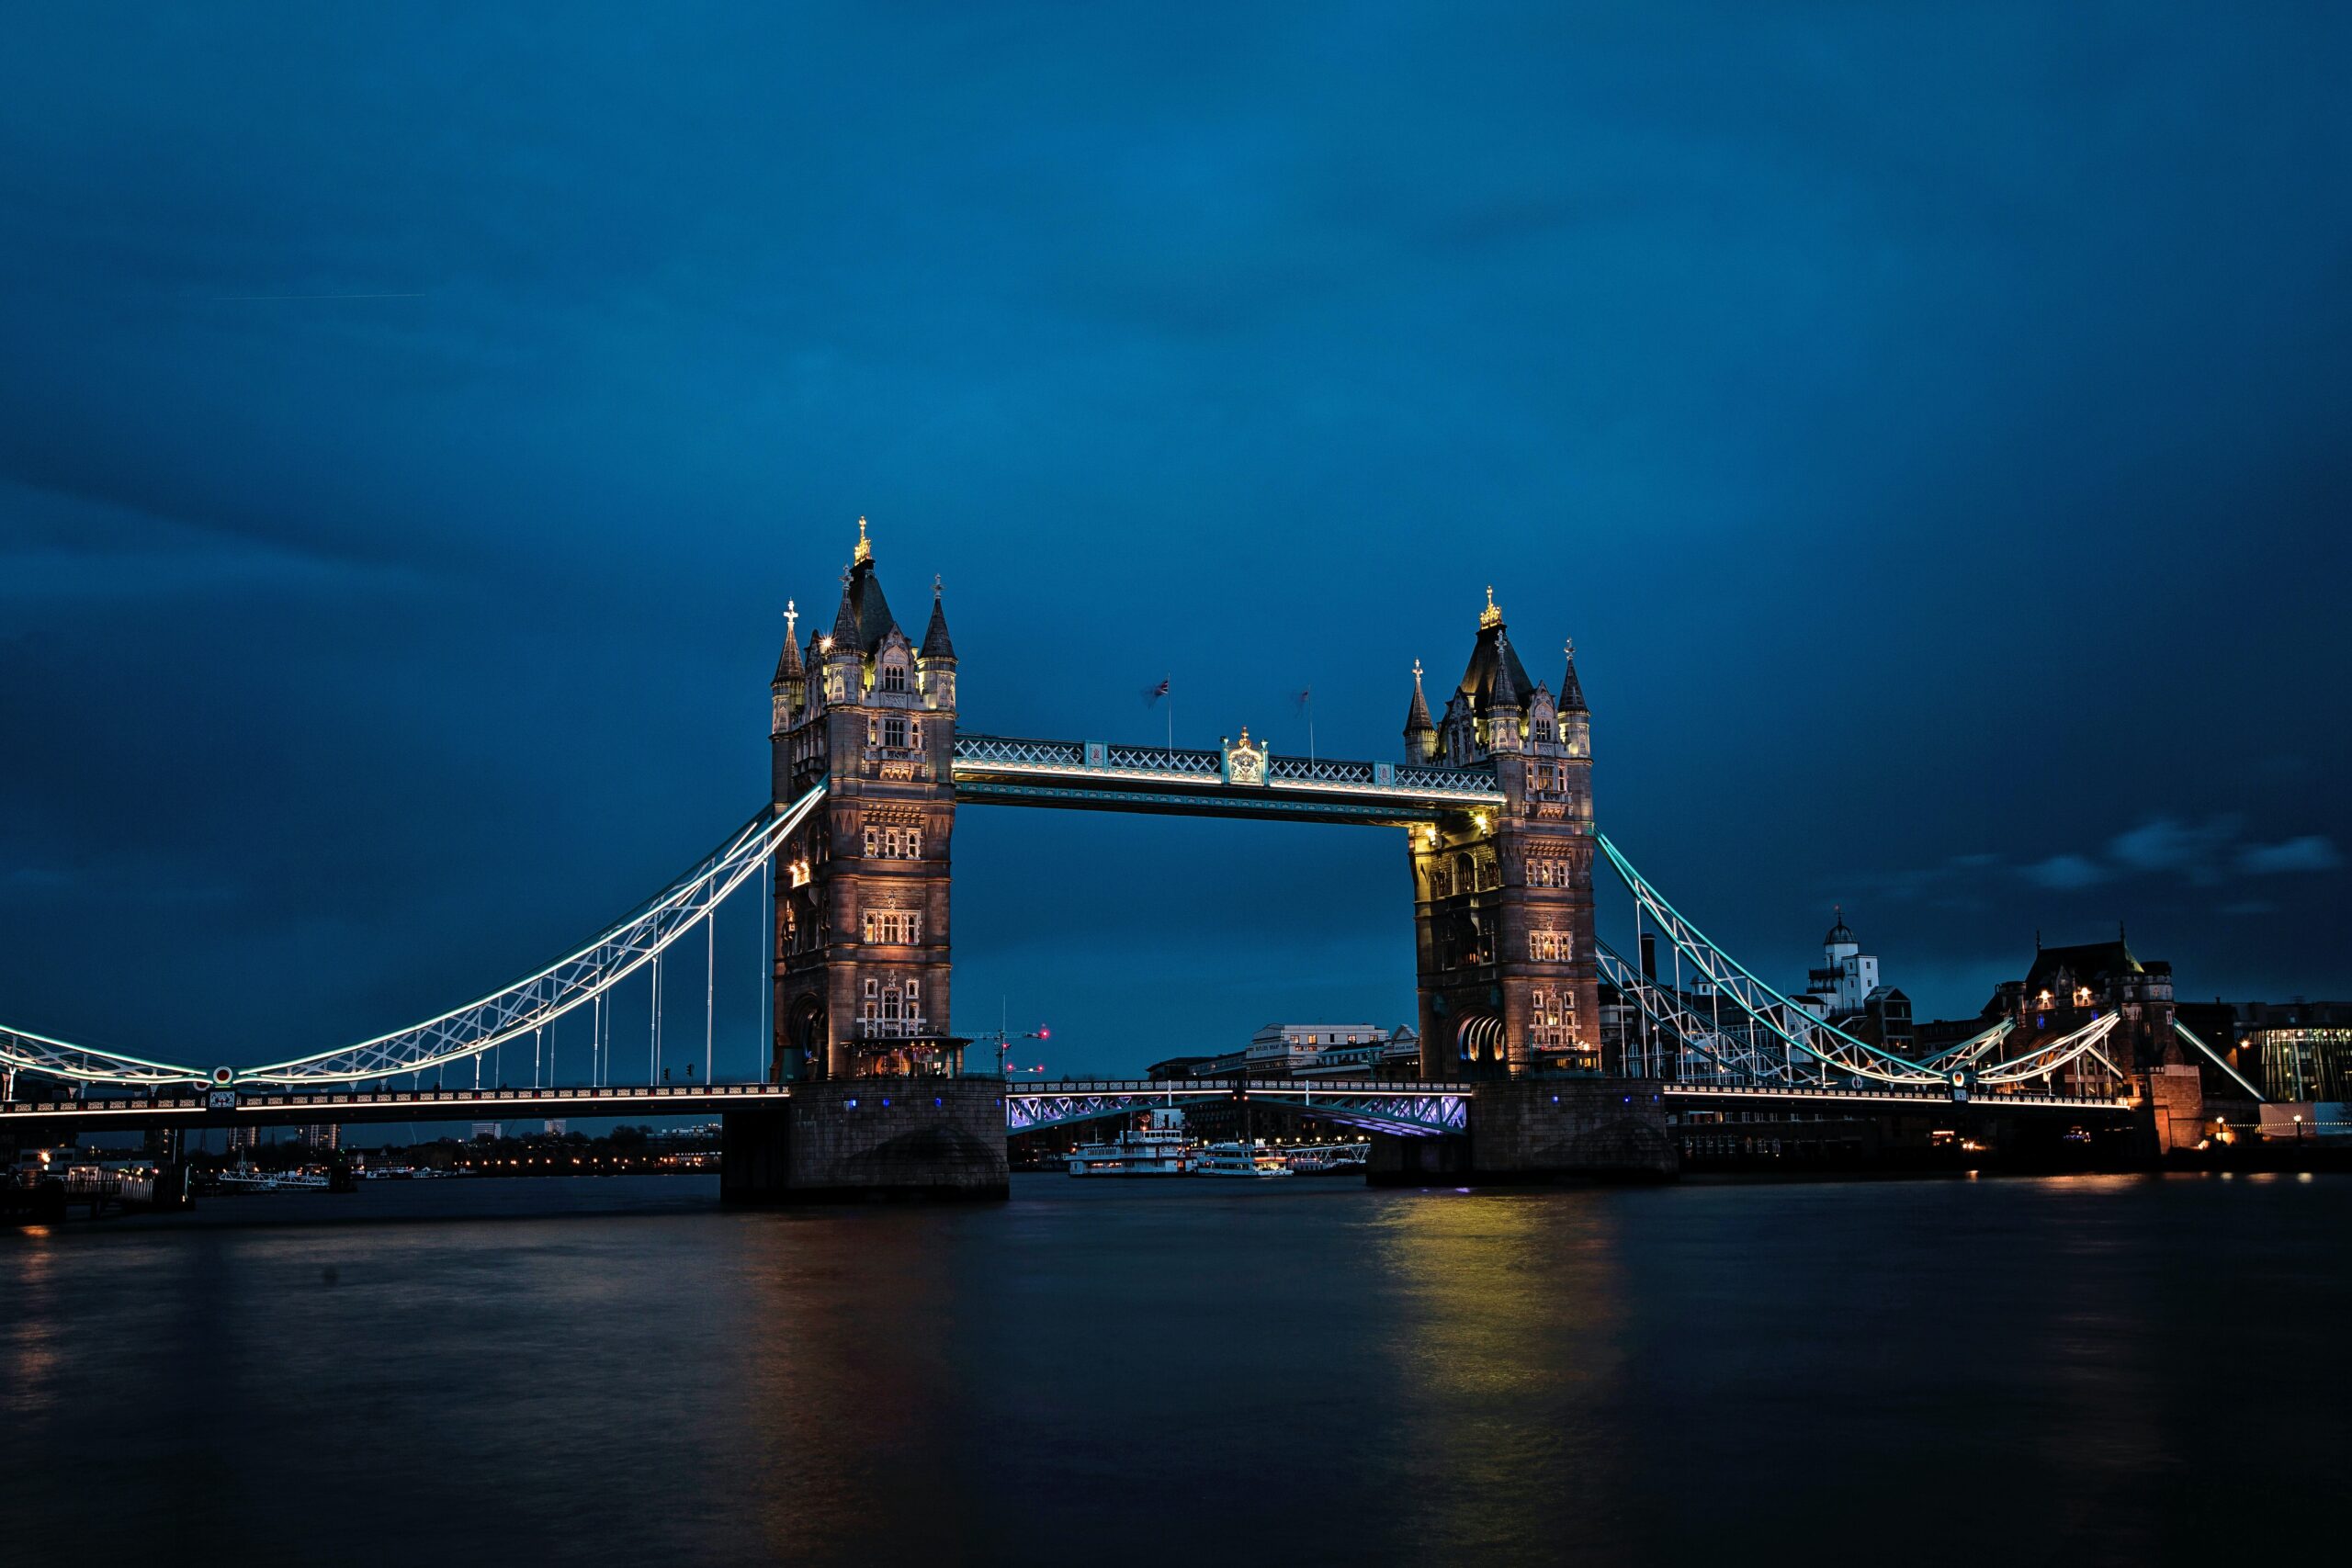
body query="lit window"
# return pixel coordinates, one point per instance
(894, 675)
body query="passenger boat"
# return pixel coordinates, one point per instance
(1329, 1159)
(1159, 1147)
(1239, 1160)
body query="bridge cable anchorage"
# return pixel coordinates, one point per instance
(1773, 1025)
(2191, 1035)
(585, 976)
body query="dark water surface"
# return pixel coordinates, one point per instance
(616, 1371)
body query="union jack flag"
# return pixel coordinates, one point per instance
(1156, 693)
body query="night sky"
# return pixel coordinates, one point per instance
(1931, 427)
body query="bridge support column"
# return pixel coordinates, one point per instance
(867, 1139)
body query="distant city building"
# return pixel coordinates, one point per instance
(1308, 1050)
(1384, 1053)
(325, 1136)
(244, 1137)
(492, 1129)
(2299, 1051)
(1845, 992)
(556, 1126)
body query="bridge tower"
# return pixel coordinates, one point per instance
(862, 892)
(1502, 894)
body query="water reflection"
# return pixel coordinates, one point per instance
(1943, 1369)
(1509, 1370)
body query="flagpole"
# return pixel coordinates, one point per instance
(1169, 682)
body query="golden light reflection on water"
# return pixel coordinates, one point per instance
(1506, 1334)
(29, 1329)
(848, 1362)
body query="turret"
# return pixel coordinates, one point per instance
(838, 655)
(1576, 719)
(935, 663)
(1505, 707)
(1421, 735)
(791, 685)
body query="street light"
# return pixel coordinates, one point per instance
(1004, 1040)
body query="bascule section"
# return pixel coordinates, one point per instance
(1502, 887)
(861, 905)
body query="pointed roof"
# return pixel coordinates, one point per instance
(845, 619)
(1840, 931)
(1491, 655)
(937, 644)
(867, 613)
(788, 664)
(2089, 963)
(1507, 688)
(1572, 689)
(1416, 718)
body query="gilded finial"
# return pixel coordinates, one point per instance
(1490, 615)
(865, 546)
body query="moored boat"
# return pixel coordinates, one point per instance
(1159, 1147)
(1240, 1160)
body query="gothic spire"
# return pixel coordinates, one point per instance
(845, 621)
(1572, 689)
(788, 666)
(1416, 718)
(1507, 693)
(935, 641)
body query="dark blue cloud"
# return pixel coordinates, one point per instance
(1927, 423)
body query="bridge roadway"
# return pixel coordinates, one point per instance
(1418, 1109)
(1408, 1108)
(229, 1107)
(1725, 1097)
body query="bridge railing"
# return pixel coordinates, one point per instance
(1164, 759)
(1166, 762)
(1231, 1086)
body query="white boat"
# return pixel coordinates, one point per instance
(1329, 1159)
(1239, 1160)
(242, 1180)
(1159, 1147)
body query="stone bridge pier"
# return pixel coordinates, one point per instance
(859, 1140)
(1541, 1129)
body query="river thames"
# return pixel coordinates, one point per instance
(2079, 1370)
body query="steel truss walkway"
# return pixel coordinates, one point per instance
(1406, 1109)
(1245, 781)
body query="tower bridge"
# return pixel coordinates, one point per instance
(1491, 792)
